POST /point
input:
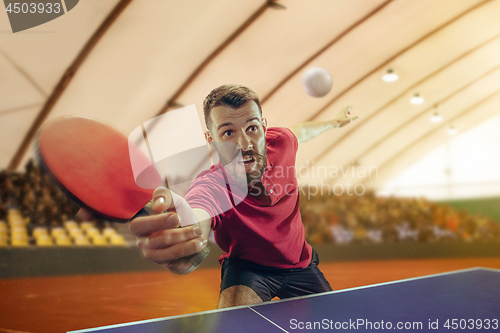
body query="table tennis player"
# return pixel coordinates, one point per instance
(266, 254)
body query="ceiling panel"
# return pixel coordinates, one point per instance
(278, 42)
(445, 84)
(374, 43)
(423, 59)
(145, 57)
(464, 121)
(13, 128)
(156, 51)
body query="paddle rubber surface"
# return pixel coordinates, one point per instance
(90, 162)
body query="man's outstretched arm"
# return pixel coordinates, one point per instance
(309, 130)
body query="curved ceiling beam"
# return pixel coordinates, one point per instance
(171, 102)
(388, 61)
(322, 50)
(395, 99)
(399, 128)
(439, 128)
(65, 80)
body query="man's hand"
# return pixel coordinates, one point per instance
(343, 117)
(159, 236)
(309, 130)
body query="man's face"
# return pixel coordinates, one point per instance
(245, 130)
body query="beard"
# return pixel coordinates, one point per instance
(233, 161)
(260, 160)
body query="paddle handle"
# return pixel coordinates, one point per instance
(194, 259)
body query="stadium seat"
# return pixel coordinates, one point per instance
(15, 218)
(19, 241)
(86, 225)
(3, 240)
(57, 231)
(117, 240)
(81, 240)
(38, 231)
(109, 232)
(99, 240)
(92, 231)
(63, 240)
(44, 241)
(19, 231)
(75, 232)
(70, 224)
(16, 223)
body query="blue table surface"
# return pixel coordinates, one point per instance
(422, 303)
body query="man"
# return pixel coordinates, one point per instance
(266, 254)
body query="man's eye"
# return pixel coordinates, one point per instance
(252, 128)
(227, 133)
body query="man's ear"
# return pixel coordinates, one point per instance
(208, 137)
(264, 125)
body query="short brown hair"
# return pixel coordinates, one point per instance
(231, 95)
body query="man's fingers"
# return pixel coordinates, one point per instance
(347, 111)
(143, 226)
(169, 238)
(85, 215)
(162, 199)
(166, 255)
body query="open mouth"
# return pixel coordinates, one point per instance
(249, 162)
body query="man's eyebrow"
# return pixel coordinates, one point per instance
(229, 124)
(222, 125)
(252, 119)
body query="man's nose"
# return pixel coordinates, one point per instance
(244, 142)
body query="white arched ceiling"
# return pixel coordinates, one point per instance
(465, 166)
(158, 55)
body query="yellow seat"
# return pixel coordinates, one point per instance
(44, 241)
(57, 231)
(19, 241)
(75, 232)
(63, 240)
(3, 240)
(39, 231)
(81, 240)
(16, 223)
(99, 240)
(86, 225)
(14, 215)
(109, 232)
(3, 228)
(19, 231)
(117, 240)
(70, 224)
(91, 232)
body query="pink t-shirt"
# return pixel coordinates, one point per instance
(269, 235)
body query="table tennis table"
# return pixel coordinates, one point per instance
(465, 300)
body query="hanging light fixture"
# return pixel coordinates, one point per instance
(390, 76)
(451, 130)
(436, 117)
(417, 99)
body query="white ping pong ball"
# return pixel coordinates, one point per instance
(317, 82)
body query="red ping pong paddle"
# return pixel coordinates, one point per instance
(91, 163)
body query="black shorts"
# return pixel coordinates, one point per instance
(270, 282)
